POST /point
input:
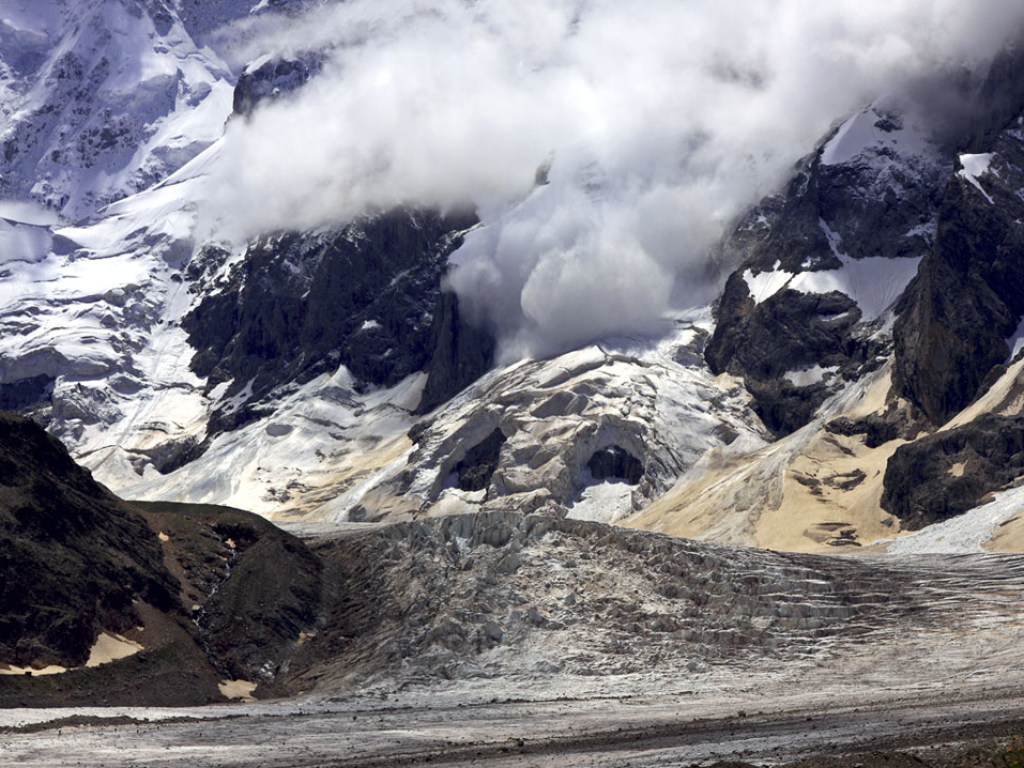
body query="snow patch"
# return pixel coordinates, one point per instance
(835, 240)
(873, 136)
(963, 534)
(764, 285)
(809, 375)
(975, 166)
(927, 231)
(874, 283)
(110, 648)
(1016, 342)
(306, 446)
(602, 502)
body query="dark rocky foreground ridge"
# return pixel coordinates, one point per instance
(74, 557)
(210, 593)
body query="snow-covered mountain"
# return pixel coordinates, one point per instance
(854, 378)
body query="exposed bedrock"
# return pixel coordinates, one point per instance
(947, 473)
(300, 304)
(968, 297)
(250, 589)
(205, 593)
(74, 559)
(771, 342)
(881, 188)
(461, 352)
(272, 79)
(876, 203)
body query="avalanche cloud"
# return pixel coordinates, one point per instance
(606, 145)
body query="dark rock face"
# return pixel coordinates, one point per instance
(968, 297)
(73, 557)
(869, 203)
(298, 305)
(615, 462)
(271, 80)
(877, 429)
(221, 593)
(477, 467)
(784, 333)
(462, 353)
(874, 205)
(998, 101)
(23, 394)
(947, 473)
(257, 588)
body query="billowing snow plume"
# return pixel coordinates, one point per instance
(657, 123)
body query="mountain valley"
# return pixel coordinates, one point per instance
(449, 476)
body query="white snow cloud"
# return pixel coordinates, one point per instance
(661, 121)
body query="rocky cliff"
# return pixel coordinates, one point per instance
(191, 596)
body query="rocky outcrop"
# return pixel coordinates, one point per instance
(74, 559)
(877, 429)
(797, 320)
(947, 473)
(251, 589)
(968, 297)
(208, 593)
(201, 17)
(22, 394)
(267, 81)
(785, 334)
(461, 353)
(301, 304)
(993, 106)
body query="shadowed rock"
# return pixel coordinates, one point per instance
(477, 467)
(301, 304)
(73, 557)
(461, 353)
(947, 473)
(968, 297)
(614, 462)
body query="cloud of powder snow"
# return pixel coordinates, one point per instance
(659, 122)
